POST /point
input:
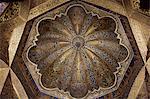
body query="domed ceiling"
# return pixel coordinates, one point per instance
(78, 52)
(68, 49)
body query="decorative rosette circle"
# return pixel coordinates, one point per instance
(78, 52)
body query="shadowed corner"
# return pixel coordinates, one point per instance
(145, 4)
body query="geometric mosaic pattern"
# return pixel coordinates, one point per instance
(10, 86)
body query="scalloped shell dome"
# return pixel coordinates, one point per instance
(78, 52)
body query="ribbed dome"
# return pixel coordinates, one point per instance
(78, 52)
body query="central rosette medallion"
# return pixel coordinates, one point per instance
(77, 52)
(78, 42)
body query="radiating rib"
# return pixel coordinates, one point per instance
(100, 69)
(78, 85)
(100, 25)
(40, 51)
(54, 41)
(87, 22)
(113, 48)
(92, 27)
(64, 20)
(104, 57)
(61, 59)
(66, 70)
(56, 69)
(54, 35)
(96, 25)
(89, 70)
(76, 15)
(49, 25)
(78, 68)
(48, 60)
(102, 35)
(53, 48)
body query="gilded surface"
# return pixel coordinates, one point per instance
(78, 52)
(73, 50)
